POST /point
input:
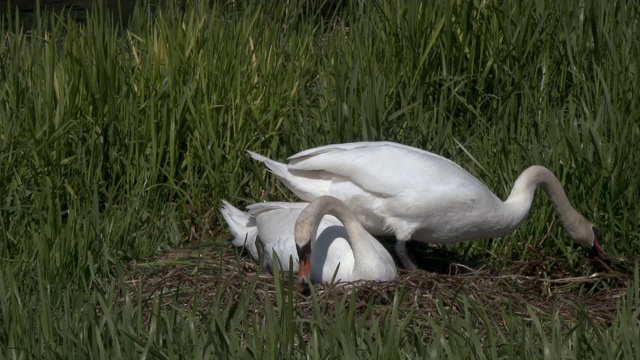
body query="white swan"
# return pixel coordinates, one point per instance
(331, 235)
(271, 218)
(414, 194)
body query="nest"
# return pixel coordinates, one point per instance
(219, 274)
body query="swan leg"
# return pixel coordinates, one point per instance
(401, 252)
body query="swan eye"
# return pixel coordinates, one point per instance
(304, 250)
(597, 235)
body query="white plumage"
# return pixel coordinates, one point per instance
(345, 246)
(414, 194)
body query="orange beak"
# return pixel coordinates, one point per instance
(304, 270)
(597, 249)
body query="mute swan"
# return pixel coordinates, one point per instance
(338, 239)
(414, 194)
(362, 258)
(264, 220)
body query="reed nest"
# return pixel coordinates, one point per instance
(217, 273)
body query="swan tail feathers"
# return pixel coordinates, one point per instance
(307, 185)
(278, 169)
(242, 226)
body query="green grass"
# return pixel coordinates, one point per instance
(117, 142)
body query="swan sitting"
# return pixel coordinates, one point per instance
(273, 218)
(327, 232)
(414, 194)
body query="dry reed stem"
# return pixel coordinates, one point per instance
(186, 273)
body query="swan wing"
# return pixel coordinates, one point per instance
(262, 207)
(242, 226)
(395, 188)
(334, 255)
(276, 223)
(381, 168)
(350, 146)
(387, 269)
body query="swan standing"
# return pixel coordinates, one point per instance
(333, 239)
(414, 194)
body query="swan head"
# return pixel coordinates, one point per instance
(588, 236)
(596, 248)
(305, 232)
(304, 268)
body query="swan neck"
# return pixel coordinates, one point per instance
(309, 220)
(521, 196)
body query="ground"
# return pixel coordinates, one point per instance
(207, 269)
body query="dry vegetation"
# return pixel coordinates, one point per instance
(179, 276)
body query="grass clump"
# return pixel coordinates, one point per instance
(118, 138)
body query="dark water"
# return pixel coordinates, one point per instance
(26, 9)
